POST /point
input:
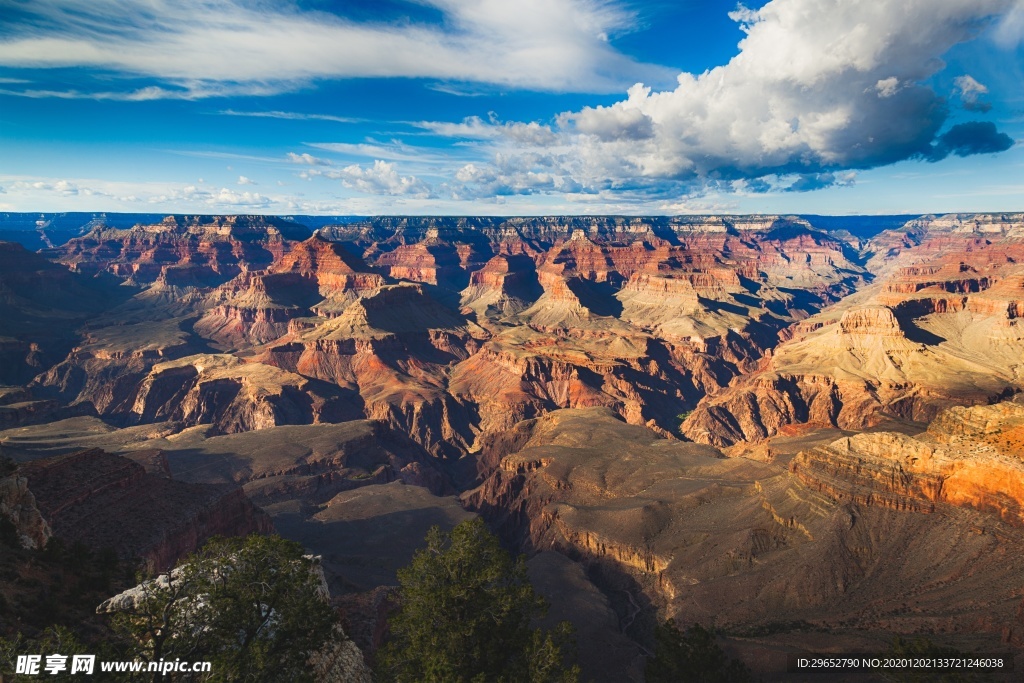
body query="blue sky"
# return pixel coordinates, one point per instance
(511, 106)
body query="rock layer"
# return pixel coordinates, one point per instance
(839, 545)
(940, 329)
(968, 457)
(104, 500)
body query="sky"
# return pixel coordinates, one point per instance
(512, 107)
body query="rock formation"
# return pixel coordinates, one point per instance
(968, 457)
(338, 661)
(941, 329)
(41, 305)
(18, 506)
(856, 371)
(182, 251)
(643, 316)
(845, 542)
(106, 501)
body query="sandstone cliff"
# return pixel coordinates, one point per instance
(846, 545)
(18, 505)
(184, 251)
(968, 457)
(41, 305)
(643, 316)
(942, 331)
(104, 500)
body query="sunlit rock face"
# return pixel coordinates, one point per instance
(402, 320)
(939, 326)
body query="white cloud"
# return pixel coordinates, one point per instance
(819, 87)
(380, 178)
(621, 121)
(887, 87)
(192, 90)
(390, 151)
(1010, 31)
(475, 128)
(228, 197)
(105, 195)
(307, 159)
(290, 116)
(65, 188)
(203, 48)
(242, 180)
(62, 187)
(970, 91)
(969, 87)
(472, 128)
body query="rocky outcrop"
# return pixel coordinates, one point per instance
(41, 306)
(506, 285)
(338, 661)
(941, 331)
(316, 278)
(841, 544)
(969, 457)
(873, 321)
(107, 501)
(18, 408)
(232, 395)
(430, 262)
(18, 505)
(550, 494)
(182, 250)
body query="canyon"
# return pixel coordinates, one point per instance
(786, 430)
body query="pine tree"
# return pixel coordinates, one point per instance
(465, 617)
(691, 657)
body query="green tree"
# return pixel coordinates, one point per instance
(692, 656)
(252, 606)
(54, 640)
(465, 614)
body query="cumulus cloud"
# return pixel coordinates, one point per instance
(818, 85)
(65, 188)
(223, 199)
(621, 121)
(307, 159)
(227, 197)
(887, 87)
(808, 182)
(970, 90)
(965, 139)
(819, 88)
(380, 178)
(514, 174)
(198, 47)
(242, 180)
